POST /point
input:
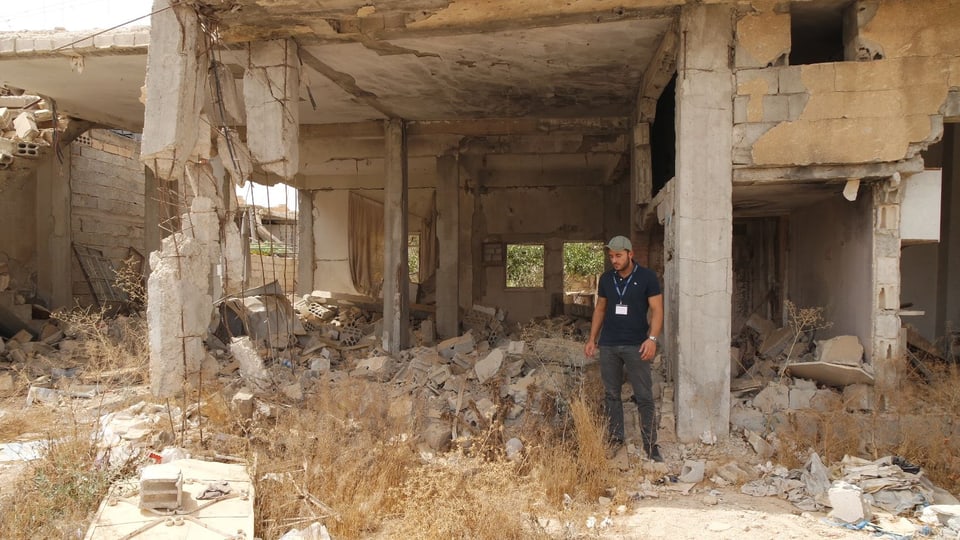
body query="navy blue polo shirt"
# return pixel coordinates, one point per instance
(632, 328)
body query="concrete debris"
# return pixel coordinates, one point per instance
(489, 366)
(513, 449)
(316, 531)
(161, 487)
(457, 345)
(775, 397)
(835, 375)
(562, 351)
(379, 368)
(848, 503)
(252, 369)
(845, 350)
(692, 471)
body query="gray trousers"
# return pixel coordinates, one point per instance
(615, 362)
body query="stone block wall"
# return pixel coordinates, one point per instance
(107, 186)
(848, 112)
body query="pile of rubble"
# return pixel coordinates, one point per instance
(465, 383)
(27, 124)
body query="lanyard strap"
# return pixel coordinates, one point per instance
(616, 285)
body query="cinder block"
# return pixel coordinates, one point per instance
(790, 80)
(161, 487)
(776, 108)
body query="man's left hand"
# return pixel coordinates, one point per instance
(648, 349)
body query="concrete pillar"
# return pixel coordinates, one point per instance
(151, 216)
(948, 250)
(703, 221)
(54, 256)
(271, 94)
(396, 275)
(887, 362)
(306, 261)
(176, 88)
(448, 235)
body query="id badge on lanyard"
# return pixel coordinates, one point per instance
(621, 308)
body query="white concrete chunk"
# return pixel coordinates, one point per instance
(26, 126)
(489, 366)
(775, 397)
(845, 350)
(692, 471)
(251, 365)
(848, 503)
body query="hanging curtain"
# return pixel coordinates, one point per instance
(365, 244)
(428, 242)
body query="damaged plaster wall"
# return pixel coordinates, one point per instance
(846, 112)
(830, 264)
(107, 212)
(548, 215)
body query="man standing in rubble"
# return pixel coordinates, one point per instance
(628, 319)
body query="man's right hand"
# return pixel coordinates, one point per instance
(590, 349)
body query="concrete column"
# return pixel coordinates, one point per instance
(271, 94)
(396, 275)
(448, 235)
(151, 216)
(306, 261)
(886, 356)
(54, 255)
(176, 88)
(703, 221)
(948, 250)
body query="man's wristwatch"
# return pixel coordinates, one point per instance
(652, 338)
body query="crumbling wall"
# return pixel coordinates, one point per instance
(830, 264)
(107, 203)
(883, 110)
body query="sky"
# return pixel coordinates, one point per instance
(80, 15)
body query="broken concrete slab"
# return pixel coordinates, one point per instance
(489, 366)
(565, 352)
(775, 397)
(848, 503)
(26, 126)
(251, 364)
(858, 397)
(845, 350)
(464, 344)
(830, 374)
(120, 515)
(800, 397)
(776, 342)
(379, 368)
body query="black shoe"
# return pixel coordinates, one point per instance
(654, 454)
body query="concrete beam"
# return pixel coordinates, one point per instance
(641, 172)
(749, 176)
(448, 235)
(396, 275)
(657, 75)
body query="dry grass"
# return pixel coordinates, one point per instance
(57, 495)
(918, 426)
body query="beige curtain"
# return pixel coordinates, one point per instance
(365, 244)
(428, 243)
